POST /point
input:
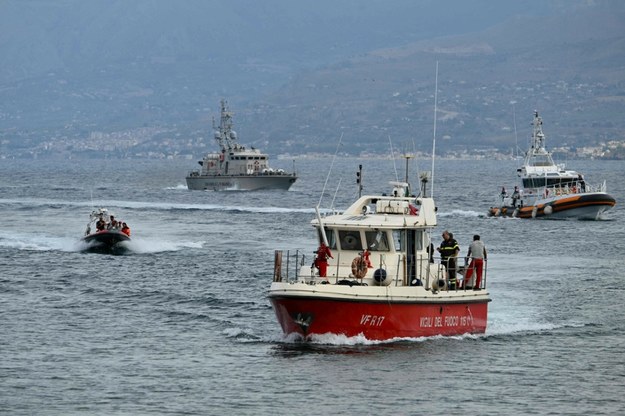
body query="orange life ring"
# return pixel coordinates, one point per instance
(359, 267)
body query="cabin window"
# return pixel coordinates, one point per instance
(376, 240)
(545, 181)
(350, 240)
(399, 240)
(330, 236)
(419, 240)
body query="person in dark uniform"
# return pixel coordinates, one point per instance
(449, 249)
(516, 195)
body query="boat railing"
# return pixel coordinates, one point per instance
(421, 270)
(527, 196)
(466, 273)
(291, 271)
(578, 187)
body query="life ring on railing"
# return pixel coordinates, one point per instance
(359, 267)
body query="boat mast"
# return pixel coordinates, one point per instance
(407, 157)
(323, 231)
(516, 138)
(224, 134)
(538, 137)
(434, 138)
(359, 180)
(538, 152)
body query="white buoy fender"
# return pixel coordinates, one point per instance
(381, 278)
(438, 284)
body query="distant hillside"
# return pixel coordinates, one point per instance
(569, 67)
(298, 75)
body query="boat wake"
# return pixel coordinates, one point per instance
(146, 246)
(42, 242)
(497, 327)
(461, 213)
(179, 187)
(161, 206)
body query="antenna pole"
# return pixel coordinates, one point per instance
(407, 159)
(336, 192)
(516, 140)
(359, 180)
(434, 139)
(330, 170)
(393, 157)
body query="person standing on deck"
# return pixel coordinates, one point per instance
(477, 253)
(449, 249)
(321, 261)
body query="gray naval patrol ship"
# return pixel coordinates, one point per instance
(235, 167)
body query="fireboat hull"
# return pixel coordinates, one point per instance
(380, 319)
(581, 206)
(239, 182)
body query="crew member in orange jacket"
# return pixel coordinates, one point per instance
(321, 261)
(126, 229)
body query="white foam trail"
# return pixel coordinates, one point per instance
(497, 325)
(143, 246)
(501, 326)
(113, 204)
(461, 213)
(179, 187)
(41, 242)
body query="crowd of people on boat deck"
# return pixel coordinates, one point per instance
(112, 224)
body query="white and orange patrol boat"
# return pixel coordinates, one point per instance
(549, 190)
(382, 280)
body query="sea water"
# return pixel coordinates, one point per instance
(181, 323)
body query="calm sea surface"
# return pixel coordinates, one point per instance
(181, 323)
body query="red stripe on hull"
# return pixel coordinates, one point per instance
(379, 321)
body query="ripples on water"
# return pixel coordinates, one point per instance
(181, 323)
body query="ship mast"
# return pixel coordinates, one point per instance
(225, 136)
(538, 137)
(538, 155)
